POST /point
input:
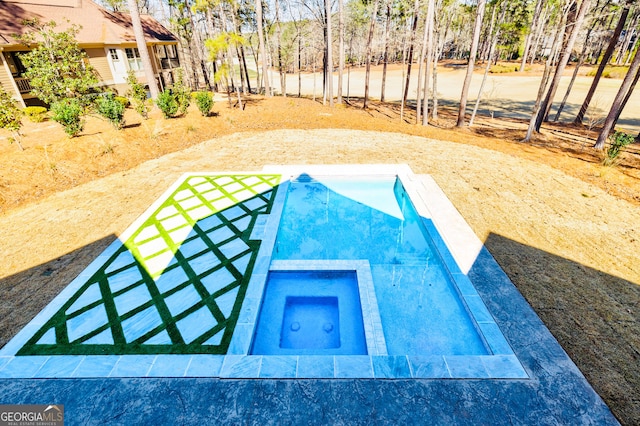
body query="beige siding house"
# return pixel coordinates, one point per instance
(107, 38)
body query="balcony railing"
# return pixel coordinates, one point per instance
(168, 63)
(23, 85)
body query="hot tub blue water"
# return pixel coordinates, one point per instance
(374, 219)
(310, 313)
(310, 322)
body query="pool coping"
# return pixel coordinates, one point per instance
(457, 248)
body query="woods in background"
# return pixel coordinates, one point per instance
(229, 45)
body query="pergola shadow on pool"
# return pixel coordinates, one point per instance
(542, 385)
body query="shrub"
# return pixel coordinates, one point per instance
(111, 108)
(204, 100)
(619, 140)
(181, 92)
(68, 112)
(167, 103)
(10, 116)
(138, 93)
(56, 67)
(502, 68)
(36, 114)
(124, 101)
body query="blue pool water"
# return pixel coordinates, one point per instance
(310, 312)
(373, 219)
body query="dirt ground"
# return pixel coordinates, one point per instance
(563, 227)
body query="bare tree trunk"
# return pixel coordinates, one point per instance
(255, 55)
(421, 59)
(627, 96)
(349, 66)
(340, 47)
(194, 48)
(329, 47)
(386, 52)
(429, 63)
(576, 23)
(201, 60)
(283, 81)
(269, 50)
(544, 81)
(619, 101)
(142, 48)
(539, 34)
(629, 56)
(299, 63)
(229, 58)
(439, 49)
(529, 40)
(404, 71)
(434, 113)
(314, 73)
(244, 82)
(605, 60)
(368, 57)
(426, 55)
(209, 29)
(581, 60)
(243, 61)
(265, 65)
(624, 46)
(412, 41)
(472, 59)
(494, 41)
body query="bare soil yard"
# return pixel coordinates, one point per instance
(564, 228)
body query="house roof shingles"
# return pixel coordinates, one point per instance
(99, 26)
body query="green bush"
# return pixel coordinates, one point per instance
(124, 101)
(618, 141)
(111, 108)
(10, 116)
(138, 93)
(181, 92)
(68, 112)
(36, 114)
(167, 103)
(204, 100)
(502, 68)
(184, 100)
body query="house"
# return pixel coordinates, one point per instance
(107, 38)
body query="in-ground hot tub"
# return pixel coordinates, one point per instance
(310, 313)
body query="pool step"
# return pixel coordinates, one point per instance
(410, 259)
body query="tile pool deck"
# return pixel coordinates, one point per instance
(543, 385)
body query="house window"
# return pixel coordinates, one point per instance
(114, 54)
(15, 64)
(171, 51)
(134, 59)
(162, 53)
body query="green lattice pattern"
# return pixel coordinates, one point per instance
(177, 284)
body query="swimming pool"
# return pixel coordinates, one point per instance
(179, 294)
(372, 218)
